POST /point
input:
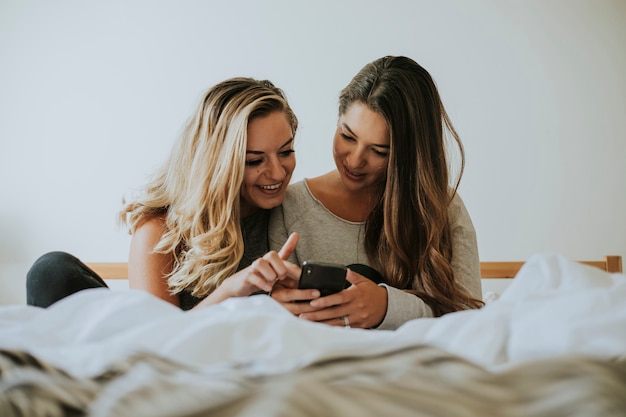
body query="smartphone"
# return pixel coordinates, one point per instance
(326, 277)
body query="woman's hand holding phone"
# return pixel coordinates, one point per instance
(363, 304)
(316, 280)
(334, 295)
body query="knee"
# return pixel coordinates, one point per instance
(53, 260)
(50, 265)
(55, 275)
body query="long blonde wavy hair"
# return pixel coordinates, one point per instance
(197, 191)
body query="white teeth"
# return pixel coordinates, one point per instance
(271, 187)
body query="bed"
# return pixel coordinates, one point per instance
(552, 344)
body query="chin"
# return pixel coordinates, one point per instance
(270, 203)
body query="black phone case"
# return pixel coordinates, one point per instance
(325, 277)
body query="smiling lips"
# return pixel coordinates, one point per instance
(272, 187)
(352, 174)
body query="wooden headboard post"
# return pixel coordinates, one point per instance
(110, 270)
(610, 263)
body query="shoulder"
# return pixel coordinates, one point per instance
(292, 203)
(297, 195)
(462, 227)
(150, 230)
(152, 224)
(457, 211)
(298, 188)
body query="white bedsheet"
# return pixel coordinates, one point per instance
(553, 307)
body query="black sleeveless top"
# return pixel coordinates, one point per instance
(255, 245)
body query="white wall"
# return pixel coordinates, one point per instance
(92, 95)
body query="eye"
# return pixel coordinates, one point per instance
(346, 137)
(254, 162)
(380, 153)
(286, 153)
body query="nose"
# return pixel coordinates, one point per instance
(275, 169)
(356, 158)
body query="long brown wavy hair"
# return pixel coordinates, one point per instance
(408, 236)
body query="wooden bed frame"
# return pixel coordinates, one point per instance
(610, 263)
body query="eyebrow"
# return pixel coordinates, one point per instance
(261, 152)
(344, 125)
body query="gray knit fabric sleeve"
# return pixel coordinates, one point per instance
(465, 259)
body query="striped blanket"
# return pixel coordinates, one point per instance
(417, 381)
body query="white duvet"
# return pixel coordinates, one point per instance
(554, 307)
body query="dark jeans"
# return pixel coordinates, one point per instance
(57, 275)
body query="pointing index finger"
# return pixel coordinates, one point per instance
(289, 246)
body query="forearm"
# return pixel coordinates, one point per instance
(220, 294)
(402, 307)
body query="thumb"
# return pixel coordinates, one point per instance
(293, 271)
(289, 246)
(354, 277)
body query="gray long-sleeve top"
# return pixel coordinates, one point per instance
(325, 237)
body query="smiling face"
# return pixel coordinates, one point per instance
(361, 147)
(270, 161)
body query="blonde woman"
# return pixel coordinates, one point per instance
(199, 228)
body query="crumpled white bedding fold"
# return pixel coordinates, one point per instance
(554, 307)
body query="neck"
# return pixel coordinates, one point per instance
(366, 197)
(248, 211)
(357, 205)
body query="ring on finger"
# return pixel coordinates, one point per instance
(346, 321)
